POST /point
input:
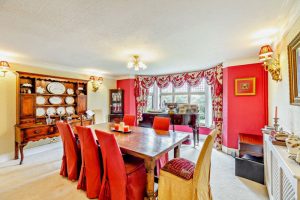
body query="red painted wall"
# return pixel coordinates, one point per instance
(244, 114)
(129, 100)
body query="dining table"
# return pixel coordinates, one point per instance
(148, 144)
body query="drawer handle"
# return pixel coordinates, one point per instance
(36, 131)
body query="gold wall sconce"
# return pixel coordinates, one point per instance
(4, 68)
(270, 64)
(96, 82)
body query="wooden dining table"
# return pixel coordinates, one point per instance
(148, 144)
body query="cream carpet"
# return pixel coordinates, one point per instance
(38, 178)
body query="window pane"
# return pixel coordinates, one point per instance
(150, 102)
(151, 89)
(165, 99)
(199, 88)
(181, 98)
(167, 89)
(200, 101)
(183, 89)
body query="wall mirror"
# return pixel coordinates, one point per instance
(294, 70)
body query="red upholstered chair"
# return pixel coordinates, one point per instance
(63, 168)
(123, 179)
(129, 120)
(90, 173)
(161, 123)
(71, 160)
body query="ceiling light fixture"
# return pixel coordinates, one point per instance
(4, 67)
(136, 63)
(270, 64)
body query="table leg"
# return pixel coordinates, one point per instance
(198, 135)
(194, 137)
(177, 152)
(150, 165)
(16, 150)
(21, 146)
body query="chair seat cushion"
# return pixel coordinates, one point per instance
(180, 167)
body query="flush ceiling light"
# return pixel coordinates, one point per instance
(136, 63)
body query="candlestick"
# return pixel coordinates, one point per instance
(276, 125)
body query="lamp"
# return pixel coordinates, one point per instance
(96, 82)
(136, 63)
(270, 64)
(4, 67)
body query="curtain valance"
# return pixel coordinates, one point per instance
(177, 80)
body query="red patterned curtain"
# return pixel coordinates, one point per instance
(213, 77)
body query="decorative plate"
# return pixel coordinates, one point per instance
(40, 100)
(70, 110)
(51, 111)
(69, 100)
(70, 91)
(40, 112)
(40, 90)
(56, 88)
(60, 111)
(55, 100)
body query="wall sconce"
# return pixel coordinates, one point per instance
(96, 82)
(4, 68)
(270, 64)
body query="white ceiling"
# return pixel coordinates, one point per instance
(97, 36)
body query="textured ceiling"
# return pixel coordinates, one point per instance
(97, 36)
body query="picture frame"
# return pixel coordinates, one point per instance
(245, 86)
(294, 70)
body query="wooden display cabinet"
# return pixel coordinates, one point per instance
(116, 103)
(32, 126)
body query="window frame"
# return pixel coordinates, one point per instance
(157, 94)
(189, 93)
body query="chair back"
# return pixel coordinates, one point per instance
(201, 179)
(91, 166)
(161, 123)
(71, 150)
(129, 120)
(114, 168)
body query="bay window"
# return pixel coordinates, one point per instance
(199, 95)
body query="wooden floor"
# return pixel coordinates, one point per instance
(38, 178)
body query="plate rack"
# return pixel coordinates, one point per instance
(33, 127)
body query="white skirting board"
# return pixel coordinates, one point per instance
(230, 151)
(6, 157)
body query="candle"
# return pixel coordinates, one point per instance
(121, 126)
(117, 127)
(276, 112)
(126, 128)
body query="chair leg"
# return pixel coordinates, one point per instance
(156, 178)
